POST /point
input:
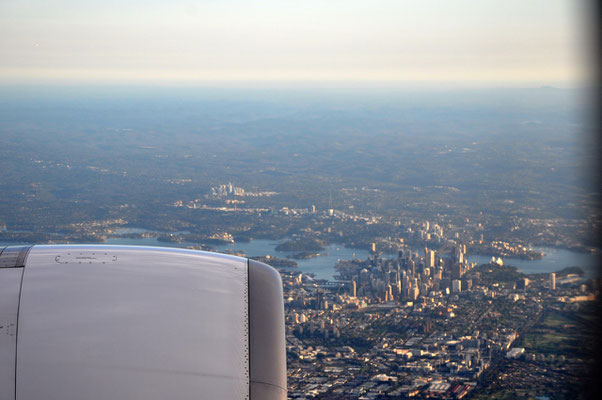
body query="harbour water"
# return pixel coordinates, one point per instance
(555, 259)
(322, 267)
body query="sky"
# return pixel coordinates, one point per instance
(533, 42)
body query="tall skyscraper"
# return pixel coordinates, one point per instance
(430, 258)
(456, 271)
(522, 284)
(553, 281)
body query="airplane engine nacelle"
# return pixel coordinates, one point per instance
(126, 322)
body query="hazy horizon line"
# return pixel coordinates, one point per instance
(309, 84)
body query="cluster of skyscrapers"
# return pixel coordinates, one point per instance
(225, 190)
(409, 276)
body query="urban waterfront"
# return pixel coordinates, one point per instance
(322, 267)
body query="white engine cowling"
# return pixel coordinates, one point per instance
(127, 322)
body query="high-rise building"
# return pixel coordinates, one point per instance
(319, 298)
(553, 281)
(389, 293)
(456, 286)
(522, 284)
(430, 258)
(457, 271)
(458, 254)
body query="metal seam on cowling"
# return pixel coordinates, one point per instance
(17, 326)
(248, 323)
(269, 384)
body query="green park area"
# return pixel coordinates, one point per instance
(559, 333)
(562, 338)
